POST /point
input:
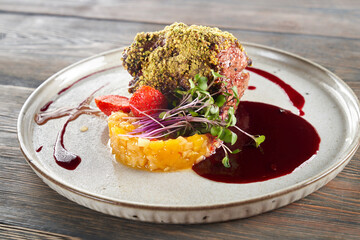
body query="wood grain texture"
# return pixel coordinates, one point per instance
(12, 232)
(34, 43)
(259, 15)
(39, 38)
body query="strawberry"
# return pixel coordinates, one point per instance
(112, 103)
(146, 99)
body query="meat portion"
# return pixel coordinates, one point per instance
(167, 59)
(232, 62)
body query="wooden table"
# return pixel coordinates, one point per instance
(39, 38)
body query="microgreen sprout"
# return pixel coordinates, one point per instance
(196, 110)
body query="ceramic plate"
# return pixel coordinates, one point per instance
(102, 184)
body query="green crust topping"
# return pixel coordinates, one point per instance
(167, 59)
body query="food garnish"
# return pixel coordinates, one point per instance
(112, 103)
(147, 99)
(195, 111)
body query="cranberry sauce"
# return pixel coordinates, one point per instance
(79, 80)
(46, 106)
(63, 157)
(290, 141)
(39, 149)
(83, 108)
(295, 97)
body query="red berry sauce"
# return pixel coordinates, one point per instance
(290, 141)
(295, 97)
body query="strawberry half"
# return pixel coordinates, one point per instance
(112, 103)
(146, 99)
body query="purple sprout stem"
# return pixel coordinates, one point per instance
(147, 115)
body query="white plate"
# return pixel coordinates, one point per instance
(184, 197)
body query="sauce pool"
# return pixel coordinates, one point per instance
(290, 141)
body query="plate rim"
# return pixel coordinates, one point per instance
(350, 151)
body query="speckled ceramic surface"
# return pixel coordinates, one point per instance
(102, 184)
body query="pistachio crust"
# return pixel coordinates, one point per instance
(166, 59)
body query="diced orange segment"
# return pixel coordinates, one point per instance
(156, 155)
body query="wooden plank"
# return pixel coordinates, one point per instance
(26, 202)
(13, 232)
(260, 15)
(33, 48)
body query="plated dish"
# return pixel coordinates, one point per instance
(183, 196)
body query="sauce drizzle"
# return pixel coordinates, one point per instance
(79, 80)
(83, 108)
(295, 97)
(63, 157)
(46, 106)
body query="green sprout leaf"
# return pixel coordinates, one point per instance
(180, 92)
(220, 100)
(202, 83)
(214, 109)
(236, 151)
(226, 162)
(194, 114)
(196, 78)
(216, 75)
(162, 115)
(231, 111)
(231, 119)
(221, 133)
(233, 138)
(229, 136)
(259, 139)
(192, 84)
(236, 94)
(215, 130)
